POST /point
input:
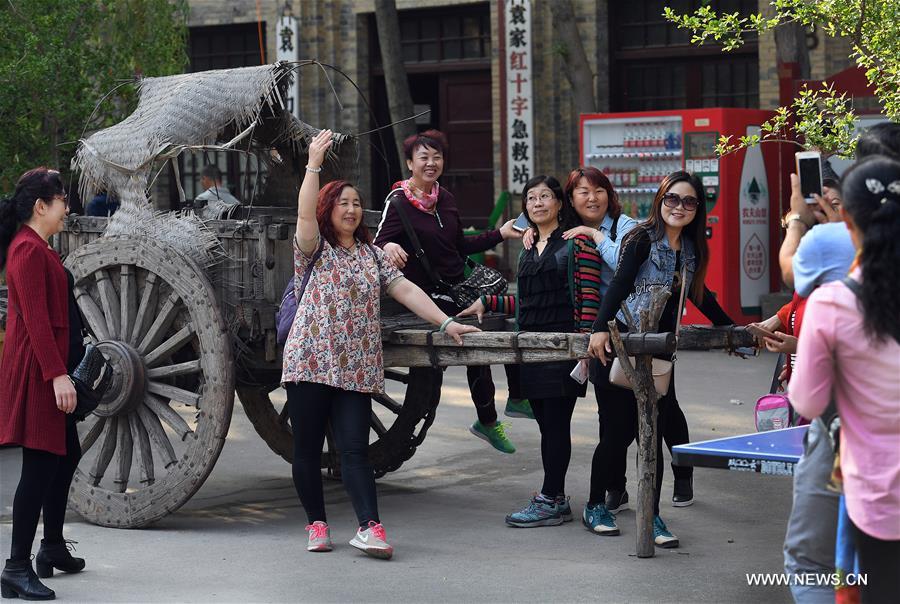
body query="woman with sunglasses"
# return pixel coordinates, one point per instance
(671, 242)
(549, 299)
(37, 397)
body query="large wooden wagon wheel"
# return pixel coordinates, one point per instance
(400, 417)
(159, 430)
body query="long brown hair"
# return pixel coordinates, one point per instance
(328, 196)
(655, 227)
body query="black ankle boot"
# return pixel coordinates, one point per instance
(684, 492)
(57, 555)
(19, 581)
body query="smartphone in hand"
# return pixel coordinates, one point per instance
(521, 224)
(761, 332)
(809, 169)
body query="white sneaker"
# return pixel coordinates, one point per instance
(319, 537)
(373, 541)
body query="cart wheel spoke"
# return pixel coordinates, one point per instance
(157, 435)
(168, 415)
(93, 434)
(107, 448)
(377, 425)
(110, 301)
(144, 316)
(125, 448)
(140, 436)
(389, 403)
(396, 375)
(161, 324)
(127, 299)
(170, 346)
(92, 313)
(167, 371)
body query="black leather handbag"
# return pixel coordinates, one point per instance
(92, 379)
(482, 280)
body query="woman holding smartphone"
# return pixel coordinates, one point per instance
(550, 299)
(669, 244)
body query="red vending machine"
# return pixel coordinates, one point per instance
(636, 150)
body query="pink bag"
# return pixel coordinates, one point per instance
(774, 412)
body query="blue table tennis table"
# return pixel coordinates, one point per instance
(773, 452)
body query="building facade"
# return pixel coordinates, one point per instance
(452, 52)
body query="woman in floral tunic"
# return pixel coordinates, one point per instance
(332, 357)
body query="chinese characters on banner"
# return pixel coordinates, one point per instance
(288, 50)
(519, 98)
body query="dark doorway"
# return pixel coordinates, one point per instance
(447, 58)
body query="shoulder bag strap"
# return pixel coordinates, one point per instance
(614, 229)
(309, 268)
(681, 297)
(414, 239)
(853, 285)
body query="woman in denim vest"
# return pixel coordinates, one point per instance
(653, 254)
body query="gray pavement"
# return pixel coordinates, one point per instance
(241, 538)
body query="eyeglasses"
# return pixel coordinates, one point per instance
(545, 197)
(688, 202)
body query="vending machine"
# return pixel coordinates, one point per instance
(637, 150)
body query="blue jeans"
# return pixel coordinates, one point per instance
(311, 407)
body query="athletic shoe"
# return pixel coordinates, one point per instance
(496, 435)
(597, 519)
(684, 492)
(565, 510)
(538, 512)
(373, 541)
(616, 501)
(519, 408)
(319, 537)
(661, 535)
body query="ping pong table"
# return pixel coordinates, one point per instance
(773, 452)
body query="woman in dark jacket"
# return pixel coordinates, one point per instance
(550, 298)
(669, 244)
(434, 216)
(43, 345)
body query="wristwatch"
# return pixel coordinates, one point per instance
(789, 218)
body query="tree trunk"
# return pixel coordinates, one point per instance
(790, 47)
(397, 84)
(575, 63)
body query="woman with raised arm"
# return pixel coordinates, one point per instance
(333, 354)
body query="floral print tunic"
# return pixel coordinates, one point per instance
(336, 335)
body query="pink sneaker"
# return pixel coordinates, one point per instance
(319, 537)
(373, 541)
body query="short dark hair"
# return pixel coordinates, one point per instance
(433, 139)
(212, 172)
(880, 139)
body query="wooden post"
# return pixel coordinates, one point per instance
(641, 376)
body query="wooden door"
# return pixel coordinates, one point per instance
(465, 117)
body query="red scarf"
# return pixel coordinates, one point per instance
(428, 200)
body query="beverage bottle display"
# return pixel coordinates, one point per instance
(628, 140)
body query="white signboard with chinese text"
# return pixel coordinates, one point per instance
(519, 97)
(288, 50)
(754, 227)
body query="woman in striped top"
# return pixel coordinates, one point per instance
(550, 299)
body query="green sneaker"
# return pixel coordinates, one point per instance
(519, 408)
(496, 435)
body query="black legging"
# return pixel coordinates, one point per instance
(618, 409)
(554, 418)
(311, 406)
(481, 383)
(878, 561)
(43, 485)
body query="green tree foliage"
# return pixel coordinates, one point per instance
(59, 57)
(817, 118)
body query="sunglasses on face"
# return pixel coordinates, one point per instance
(673, 200)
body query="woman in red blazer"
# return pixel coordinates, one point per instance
(36, 394)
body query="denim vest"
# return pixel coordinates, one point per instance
(659, 269)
